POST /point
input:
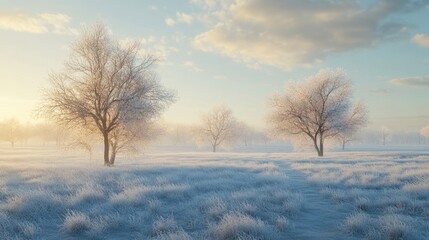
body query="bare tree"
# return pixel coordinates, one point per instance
(317, 109)
(81, 138)
(218, 126)
(385, 135)
(424, 132)
(10, 131)
(345, 138)
(246, 133)
(105, 87)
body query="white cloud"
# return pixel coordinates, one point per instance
(411, 81)
(192, 66)
(379, 91)
(170, 22)
(421, 39)
(41, 23)
(157, 46)
(204, 3)
(185, 18)
(289, 34)
(153, 7)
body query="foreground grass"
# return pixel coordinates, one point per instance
(388, 192)
(159, 197)
(46, 194)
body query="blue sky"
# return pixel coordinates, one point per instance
(234, 52)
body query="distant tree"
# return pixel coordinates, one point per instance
(425, 131)
(81, 138)
(46, 132)
(26, 132)
(317, 109)
(385, 135)
(345, 138)
(105, 87)
(11, 131)
(218, 127)
(178, 134)
(245, 133)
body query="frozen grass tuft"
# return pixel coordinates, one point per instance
(76, 223)
(153, 205)
(282, 223)
(176, 235)
(293, 206)
(394, 227)
(419, 187)
(358, 223)
(363, 203)
(88, 193)
(235, 225)
(167, 229)
(217, 208)
(164, 226)
(247, 208)
(28, 230)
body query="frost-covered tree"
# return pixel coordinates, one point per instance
(317, 109)
(385, 135)
(105, 87)
(11, 130)
(245, 133)
(218, 127)
(345, 138)
(425, 131)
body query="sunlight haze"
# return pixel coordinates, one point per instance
(206, 61)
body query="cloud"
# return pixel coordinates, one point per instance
(421, 40)
(157, 46)
(411, 81)
(379, 91)
(41, 23)
(170, 22)
(185, 18)
(290, 34)
(204, 3)
(192, 66)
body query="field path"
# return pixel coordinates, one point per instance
(320, 218)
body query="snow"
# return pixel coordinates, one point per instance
(46, 193)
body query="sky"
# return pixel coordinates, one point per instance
(233, 52)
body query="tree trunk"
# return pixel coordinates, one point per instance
(113, 154)
(106, 149)
(321, 146)
(315, 145)
(344, 145)
(13, 144)
(214, 147)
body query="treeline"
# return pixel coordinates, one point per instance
(15, 132)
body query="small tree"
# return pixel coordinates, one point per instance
(385, 135)
(218, 127)
(11, 131)
(81, 138)
(246, 133)
(107, 88)
(425, 132)
(317, 109)
(345, 138)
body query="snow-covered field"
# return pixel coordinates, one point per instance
(49, 194)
